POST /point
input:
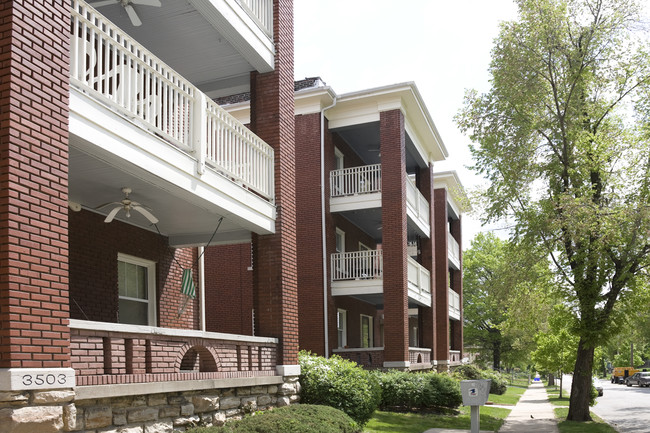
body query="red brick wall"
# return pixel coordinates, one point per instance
(442, 266)
(427, 315)
(393, 163)
(229, 289)
(94, 246)
(272, 118)
(34, 79)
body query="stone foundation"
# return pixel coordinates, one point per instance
(95, 410)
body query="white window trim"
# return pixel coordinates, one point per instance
(151, 283)
(342, 234)
(371, 324)
(342, 327)
(339, 159)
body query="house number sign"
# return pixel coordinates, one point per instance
(18, 379)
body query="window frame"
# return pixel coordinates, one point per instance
(342, 327)
(151, 286)
(371, 324)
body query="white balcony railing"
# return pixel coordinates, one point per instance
(454, 305)
(261, 11)
(357, 265)
(416, 201)
(453, 249)
(107, 64)
(419, 278)
(356, 180)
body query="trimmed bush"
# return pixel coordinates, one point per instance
(498, 384)
(409, 391)
(339, 383)
(300, 418)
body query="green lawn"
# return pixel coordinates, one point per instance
(394, 422)
(554, 396)
(512, 395)
(595, 426)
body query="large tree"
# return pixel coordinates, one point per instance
(506, 290)
(563, 137)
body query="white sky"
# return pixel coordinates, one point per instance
(443, 46)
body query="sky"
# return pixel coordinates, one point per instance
(443, 46)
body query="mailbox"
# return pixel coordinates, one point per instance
(475, 392)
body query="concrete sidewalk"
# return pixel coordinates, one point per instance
(533, 413)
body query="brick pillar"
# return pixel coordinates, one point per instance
(34, 76)
(457, 286)
(274, 256)
(393, 215)
(427, 257)
(442, 276)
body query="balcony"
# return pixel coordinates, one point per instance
(455, 357)
(360, 274)
(453, 252)
(111, 354)
(135, 121)
(454, 305)
(357, 189)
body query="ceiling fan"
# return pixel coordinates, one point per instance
(128, 6)
(127, 205)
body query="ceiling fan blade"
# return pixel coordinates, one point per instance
(146, 213)
(135, 19)
(104, 3)
(106, 204)
(155, 3)
(112, 214)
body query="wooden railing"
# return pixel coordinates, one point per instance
(261, 11)
(454, 305)
(416, 201)
(357, 265)
(355, 180)
(419, 278)
(109, 65)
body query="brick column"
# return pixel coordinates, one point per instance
(393, 215)
(457, 286)
(427, 256)
(274, 256)
(441, 284)
(34, 76)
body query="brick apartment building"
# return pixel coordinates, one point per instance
(378, 233)
(114, 104)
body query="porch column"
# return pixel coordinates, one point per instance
(34, 314)
(394, 242)
(457, 286)
(274, 256)
(442, 278)
(427, 253)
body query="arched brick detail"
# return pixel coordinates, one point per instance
(208, 360)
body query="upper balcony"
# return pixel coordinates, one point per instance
(454, 305)
(136, 122)
(453, 252)
(360, 274)
(359, 189)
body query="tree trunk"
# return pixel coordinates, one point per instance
(561, 378)
(581, 385)
(496, 355)
(551, 379)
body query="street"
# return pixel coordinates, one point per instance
(625, 408)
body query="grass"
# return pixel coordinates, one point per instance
(595, 426)
(382, 422)
(554, 396)
(512, 395)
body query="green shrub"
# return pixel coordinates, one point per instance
(404, 390)
(300, 418)
(498, 382)
(339, 383)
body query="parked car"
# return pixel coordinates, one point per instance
(641, 378)
(619, 374)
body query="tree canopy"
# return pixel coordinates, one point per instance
(562, 136)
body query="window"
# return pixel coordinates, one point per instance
(338, 180)
(338, 159)
(366, 331)
(137, 290)
(340, 241)
(342, 327)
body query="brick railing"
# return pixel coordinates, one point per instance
(108, 353)
(419, 355)
(371, 357)
(454, 357)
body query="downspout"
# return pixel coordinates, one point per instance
(201, 250)
(322, 215)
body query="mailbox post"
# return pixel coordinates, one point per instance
(475, 393)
